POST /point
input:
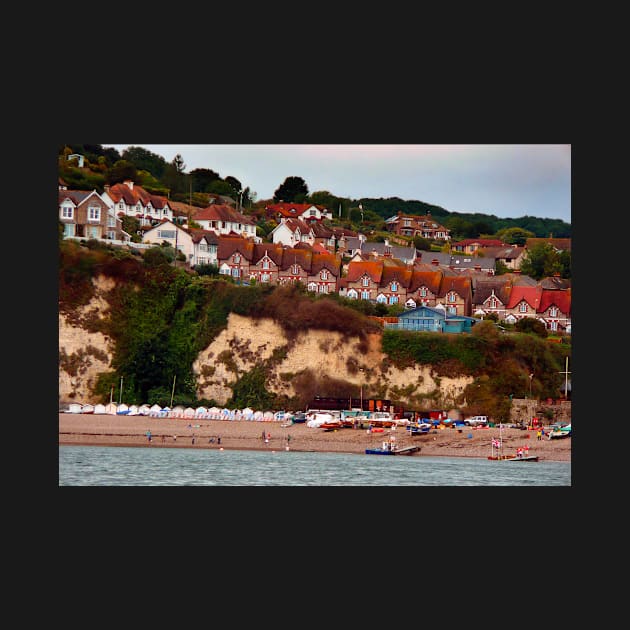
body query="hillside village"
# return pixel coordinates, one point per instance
(447, 290)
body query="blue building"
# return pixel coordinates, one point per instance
(425, 318)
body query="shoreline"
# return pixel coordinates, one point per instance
(120, 431)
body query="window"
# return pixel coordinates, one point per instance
(365, 295)
(323, 288)
(67, 212)
(324, 274)
(394, 287)
(166, 233)
(365, 281)
(381, 299)
(352, 294)
(423, 292)
(553, 311)
(393, 299)
(294, 270)
(68, 229)
(523, 307)
(121, 205)
(264, 277)
(451, 297)
(111, 235)
(94, 213)
(203, 247)
(312, 286)
(265, 264)
(236, 272)
(493, 303)
(554, 325)
(237, 258)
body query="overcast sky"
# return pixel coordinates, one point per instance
(507, 180)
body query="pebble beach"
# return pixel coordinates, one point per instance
(135, 431)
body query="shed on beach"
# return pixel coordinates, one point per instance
(214, 413)
(176, 412)
(133, 410)
(258, 415)
(100, 408)
(268, 416)
(75, 408)
(143, 410)
(122, 410)
(201, 412)
(247, 413)
(189, 412)
(154, 410)
(111, 408)
(164, 412)
(87, 408)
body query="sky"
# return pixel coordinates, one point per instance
(506, 180)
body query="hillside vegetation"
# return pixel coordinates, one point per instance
(161, 318)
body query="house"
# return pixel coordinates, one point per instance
(205, 247)
(84, 213)
(471, 245)
(511, 256)
(129, 199)
(78, 157)
(414, 225)
(458, 262)
(305, 211)
(427, 319)
(176, 236)
(290, 232)
(386, 250)
(225, 220)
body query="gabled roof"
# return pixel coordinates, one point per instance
(373, 268)
(485, 287)
(507, 253)
(483, 242)
(397, 251)
(462, 285)
(292, 210)
(398, 273)
(430, 278)
(229, 245)
(551, 297)
(321, 231)
(76, 196)
(296, 256)
(321, 260)
(531, 295)
(197, 234)
(555, 282)
(273, 251)
(295, 224)
(221, 212)
(132, 196)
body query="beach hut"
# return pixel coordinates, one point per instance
(122, 410)
(87, 408)
(154, 410)
(133, 410)
(100, 408)
(111, 408)
(258, 416)
(214, 413)
(75, 408)
(189, 412)
(268, 416)
(247, 413)
(164, 412)
(143, 410)
(201, 412)
(176, 412)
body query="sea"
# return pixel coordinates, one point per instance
(133, 466)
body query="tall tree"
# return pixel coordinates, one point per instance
(145, 160)
(293, 189)
(120, 172)
(202, 178)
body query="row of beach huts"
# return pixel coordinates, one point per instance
(178, 411)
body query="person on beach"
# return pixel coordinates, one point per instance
(539, 434)
(174, 438)
(148, 435)
(219, 440)
(193, 438)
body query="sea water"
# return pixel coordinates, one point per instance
(129, 466)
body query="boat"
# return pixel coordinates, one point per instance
(497, 454)
(389, 448)
(419, 428)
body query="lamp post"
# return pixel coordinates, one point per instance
(531, 376)
(361, 371)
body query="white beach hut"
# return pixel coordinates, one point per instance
(143, 410)
(189, 412)
(154, 410)
(133, 410)
(176, 412)
(100, 409)
(111, 408)
(87, 408)
(122, 410)
(258, 416)
(164, 412)
(214, 413)
(247, 413)
(75, 408)
(201, 412)
(268, 416)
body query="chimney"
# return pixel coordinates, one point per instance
(435, 262)
(106, 187)
(477, 267)
(129, 183)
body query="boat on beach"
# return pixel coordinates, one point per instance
(389, 447)
(496, 454)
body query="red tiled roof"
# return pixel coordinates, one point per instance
(221, 212)
(531, 295)
(374, 268)
(553, 297)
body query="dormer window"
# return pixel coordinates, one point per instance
(493, 303)
(294, 270)
(265, 264)
(523, 307)
(451, 297)
(324, 274)
(67, 212)
(553, 312)
(237, 258)
(365, 281)
(423, 292)
(394, 286)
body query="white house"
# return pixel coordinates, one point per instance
(290, 232)
(176, 236)
(224, 220)
(129, 199)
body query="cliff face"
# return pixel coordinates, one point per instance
(246, 342)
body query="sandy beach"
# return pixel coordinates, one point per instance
(114, 430)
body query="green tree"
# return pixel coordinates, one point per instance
(291, 190)
(540, 261)
(531, 325)
(145, 160)
(514, 235)
(422, 243)
(202, 178)
(120, 172)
